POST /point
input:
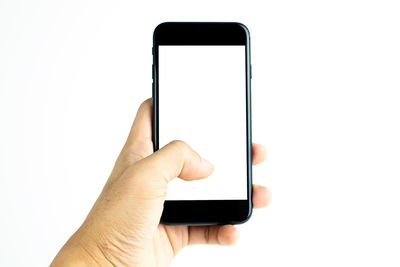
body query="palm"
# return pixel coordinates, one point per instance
(167, 241)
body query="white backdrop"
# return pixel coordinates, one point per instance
(326, 81)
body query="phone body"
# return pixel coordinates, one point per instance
(202, 95)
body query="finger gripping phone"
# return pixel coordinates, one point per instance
(201, 95)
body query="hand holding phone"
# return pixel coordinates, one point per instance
(123, 225)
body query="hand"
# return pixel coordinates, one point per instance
(123, 226)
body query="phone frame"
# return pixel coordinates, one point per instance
(205, 212)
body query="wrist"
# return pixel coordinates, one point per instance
(79, 251)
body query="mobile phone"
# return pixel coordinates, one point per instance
(201, 95)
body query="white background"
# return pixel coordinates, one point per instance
(202, 100)
(325, 102)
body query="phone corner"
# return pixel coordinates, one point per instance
(158, 27)
(246, 217)
(244, 28)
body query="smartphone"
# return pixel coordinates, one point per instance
(201, 95)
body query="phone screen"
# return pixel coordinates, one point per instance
(202, 101)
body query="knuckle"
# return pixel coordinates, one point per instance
(145, 103)
(137, 151)
(179, 144)
(180, 151)
(207, 235)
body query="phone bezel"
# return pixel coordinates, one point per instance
(205, 212)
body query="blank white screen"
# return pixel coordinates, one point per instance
(202, 101)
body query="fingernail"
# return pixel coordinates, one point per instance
(207, 164)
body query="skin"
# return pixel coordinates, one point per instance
(123, 229)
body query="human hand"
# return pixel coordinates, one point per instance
(123, 226)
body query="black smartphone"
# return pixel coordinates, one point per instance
(201, 95)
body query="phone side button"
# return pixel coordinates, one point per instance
(251, 71)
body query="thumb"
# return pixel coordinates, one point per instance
(130, 207)
(177, 159)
